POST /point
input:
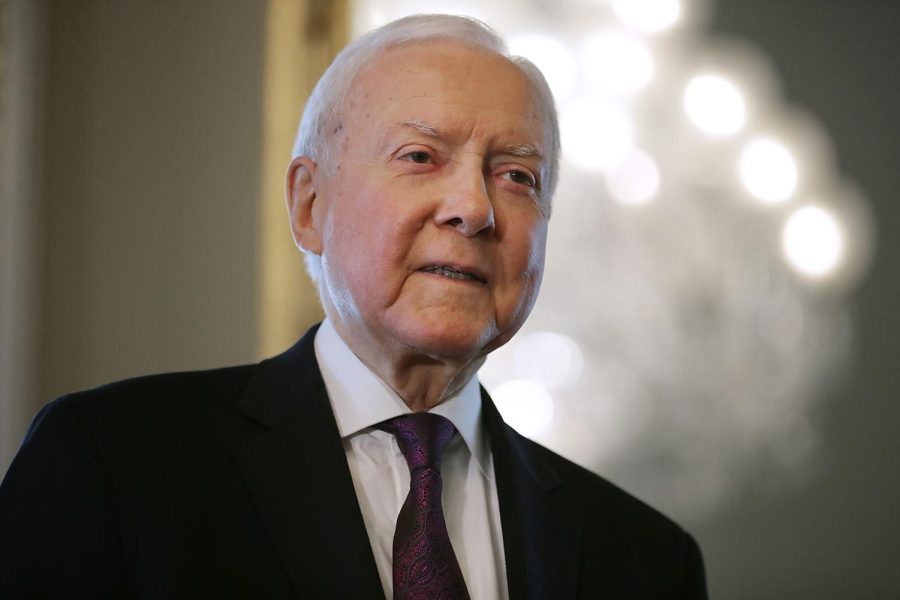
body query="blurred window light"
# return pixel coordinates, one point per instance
(648, 16)
(549, 358)
(768, 170)
(813, 241)
(551, 56)
(525, 405)
(635, 181)
(618, 62)
(596, 135)
(715, 105)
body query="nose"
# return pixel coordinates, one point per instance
(466, 202)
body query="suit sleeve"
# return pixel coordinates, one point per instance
(58, 536)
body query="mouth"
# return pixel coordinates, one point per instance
(450, 272)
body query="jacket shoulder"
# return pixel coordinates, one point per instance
(183, 390)
(593, 490)
(150, 420)
(623, 533)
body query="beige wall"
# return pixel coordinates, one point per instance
(150, 194)
(150, 180)
(20, 216)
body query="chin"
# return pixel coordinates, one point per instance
(449, 340)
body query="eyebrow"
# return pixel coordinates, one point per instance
(524, 151)
(519, 150)
(425, 129)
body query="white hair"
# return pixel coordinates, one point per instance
(328, 99)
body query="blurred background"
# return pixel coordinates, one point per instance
(717, 330)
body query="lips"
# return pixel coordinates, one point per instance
(452, 273)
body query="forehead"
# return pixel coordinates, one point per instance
(451, 85)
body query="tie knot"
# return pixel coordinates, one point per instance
(422, 438)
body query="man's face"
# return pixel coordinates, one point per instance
(432, 233)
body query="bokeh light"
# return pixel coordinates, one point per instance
(548, 358)
(598, 135)
(635, 181)
(617, 62)
(551, 56)
(649, 16)
(768, 170)
(526, 405)
(813, 241)
(715, 105)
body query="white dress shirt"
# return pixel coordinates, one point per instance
(360, 399)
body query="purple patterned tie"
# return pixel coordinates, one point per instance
(425, 566)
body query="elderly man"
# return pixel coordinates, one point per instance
(365, 461)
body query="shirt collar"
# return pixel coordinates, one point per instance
(360, 399)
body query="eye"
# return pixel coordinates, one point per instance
(520, 177)
(417, 156)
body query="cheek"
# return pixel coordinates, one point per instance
(365, 257)
(538, 250)
(528, 268)
(534, 244)
(343, 263)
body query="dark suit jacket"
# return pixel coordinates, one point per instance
(233, 483)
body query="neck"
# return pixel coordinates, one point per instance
(421, 381)
(423, 386)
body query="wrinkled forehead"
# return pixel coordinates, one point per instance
(456, 74)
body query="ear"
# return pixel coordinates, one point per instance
(300, 194)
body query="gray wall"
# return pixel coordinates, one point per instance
(838, 535)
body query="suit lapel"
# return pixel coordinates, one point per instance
(296, 472)
(540, 537)
(295, 469)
